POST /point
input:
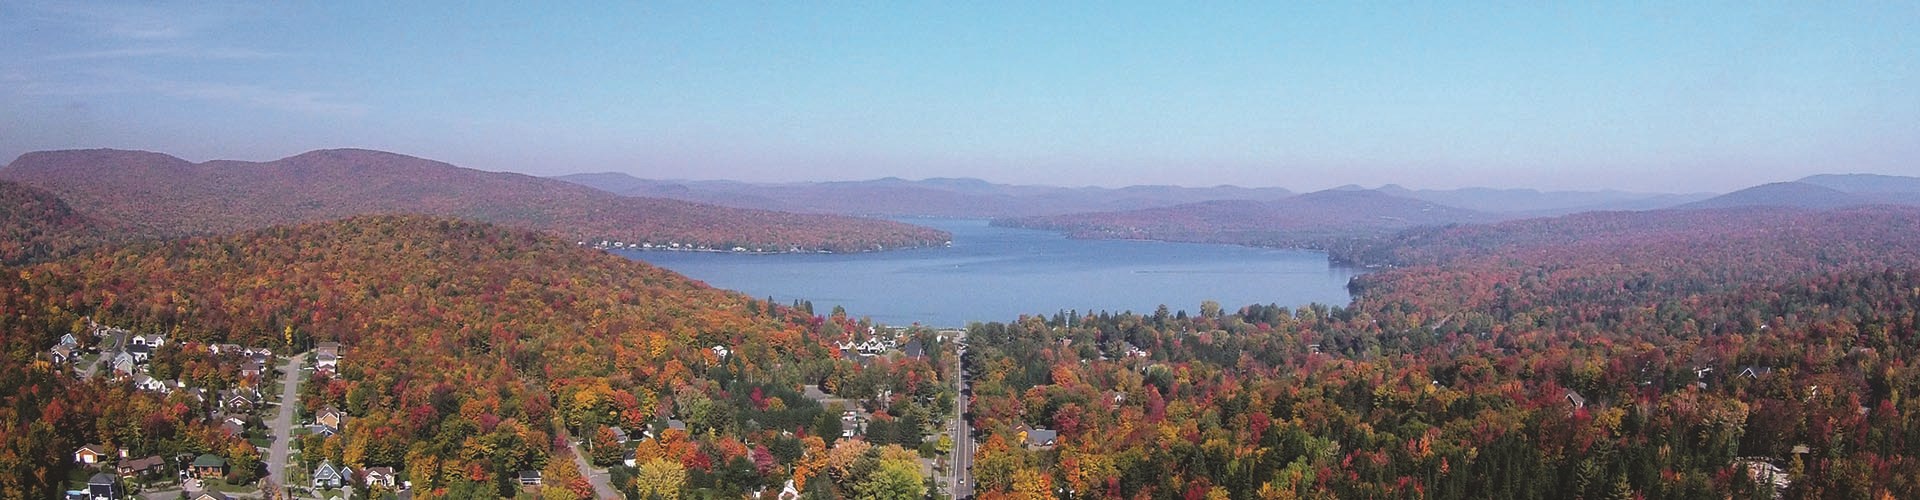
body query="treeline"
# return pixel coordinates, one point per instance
(1594, 356)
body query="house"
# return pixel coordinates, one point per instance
(914, 349)
(1754, 371)
(146, 383)
(142, 467)
(209, 465)
(721, 351)
(330, 417)
(67, 339)
(224, 348)
(1037, 438)
(90, 454)
(232, 424)
(239, 400)
(151, 341)
(629, 459)
(212, 495)
(788, 491)
(530, 477)
(382, 476)
(327, 477)
(123, 363)
(252, 367)
(619, 434)
(1575, 399)
(103, 486)
(141, 353)
(326, 355)
(61, 353)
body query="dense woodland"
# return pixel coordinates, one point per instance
(36, 225)
(470, 349)
(1614, 355)
(170, 196)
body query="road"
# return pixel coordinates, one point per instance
(282, 424)
(598, 478)
(963, 445)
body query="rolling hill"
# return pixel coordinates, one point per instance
(170, 196)
(36, 225)
(1782, 194)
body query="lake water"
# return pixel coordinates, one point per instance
(997, 274)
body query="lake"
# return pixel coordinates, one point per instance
(997, 274)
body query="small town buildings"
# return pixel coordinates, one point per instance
(141, 353)
(123, 364)
(104, 486)
(144, 467)
(1039, 439)
(150, 341)
(61, 353)
(239, 400)
(328, 477)
(209, 465)
(529, 477)
(330, 417)
(382, 476)
(147, 383)
(619, 434)
(90, 454)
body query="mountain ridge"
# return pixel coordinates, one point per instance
(171, 196)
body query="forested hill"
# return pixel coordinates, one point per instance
(1698, 355)
(174, 197)
(466, 348)
(36, 225)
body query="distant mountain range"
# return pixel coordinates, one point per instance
(1311, 220)
(938, 197)
(164, 195)
(1231, 214)
(974, 198)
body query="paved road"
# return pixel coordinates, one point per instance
(598, 478)
(963, 445)
(282, 424)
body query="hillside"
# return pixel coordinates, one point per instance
(36, 225)
(937, 197)
(456, 333)
(1309, 220)
(1669, 354)
(1782, 194)
(167, 195)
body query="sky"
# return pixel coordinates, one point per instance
(1659, 96)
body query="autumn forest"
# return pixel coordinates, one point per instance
(464, 349)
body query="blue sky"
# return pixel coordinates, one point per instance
(1578, 95)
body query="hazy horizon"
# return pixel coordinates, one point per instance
(1647, 98)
